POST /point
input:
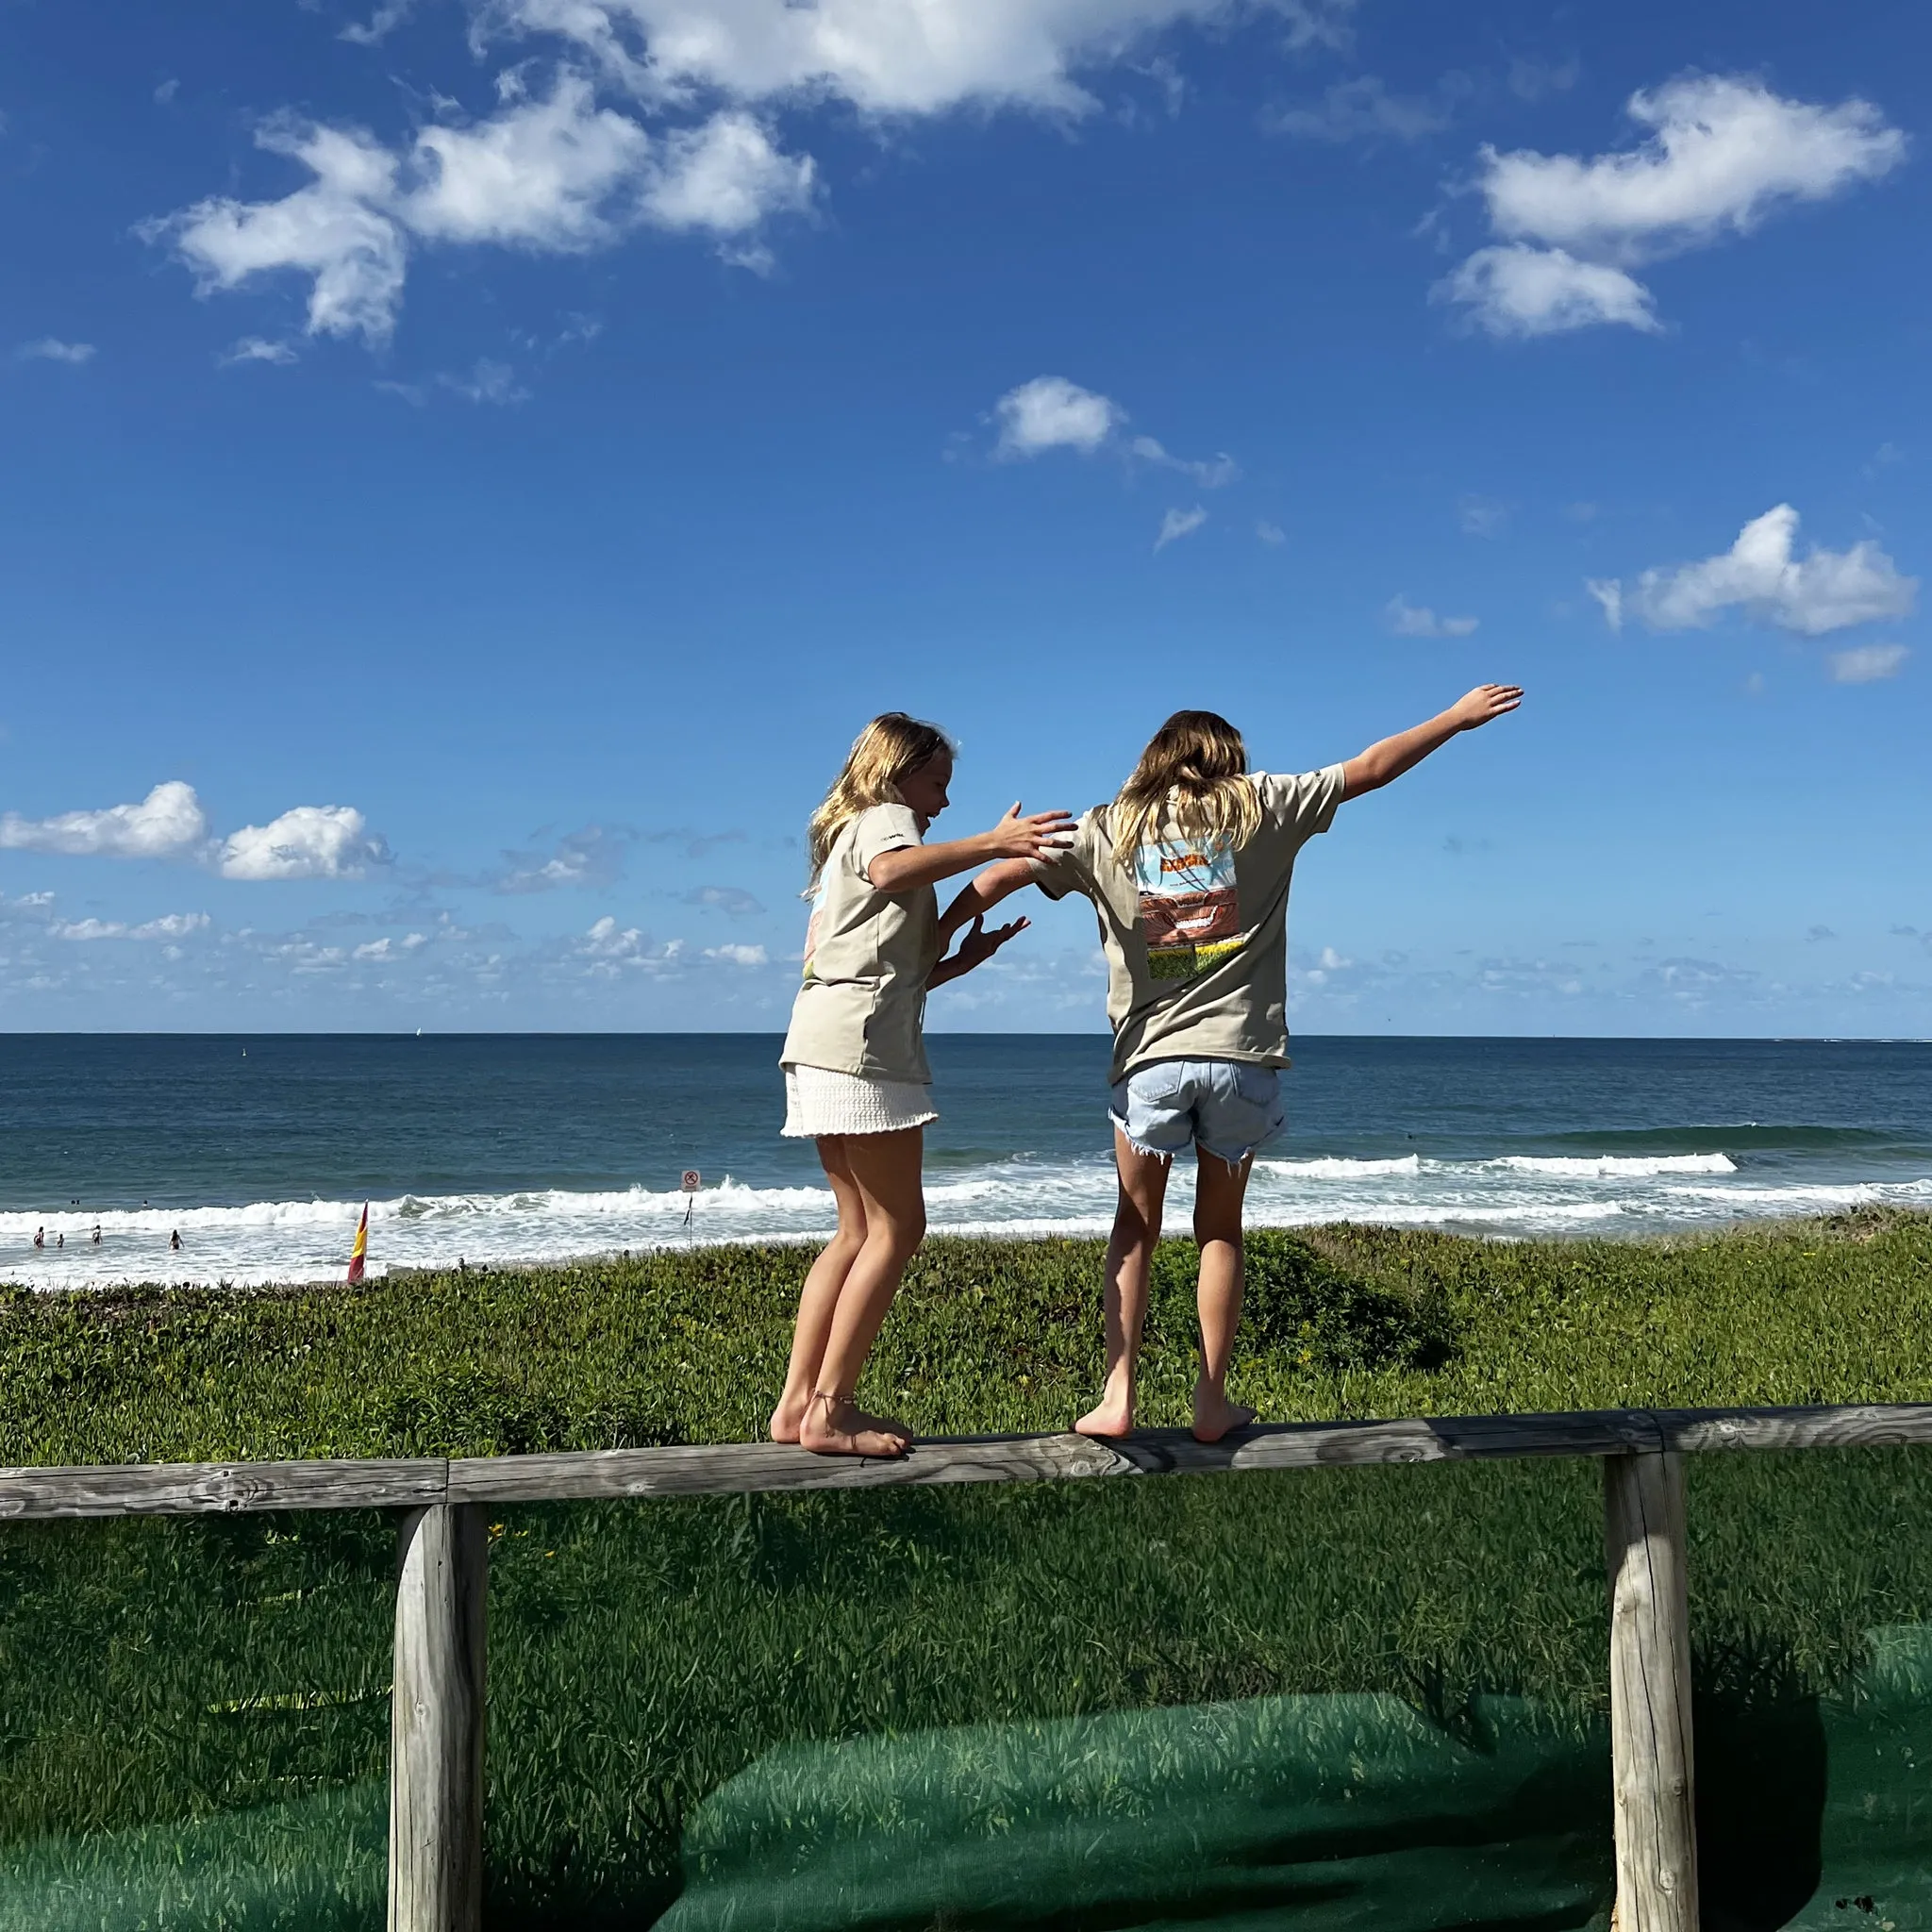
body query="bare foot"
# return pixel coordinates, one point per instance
(838, 1428)
(1215, 1415)
(1115, 1416)
(788, 1417)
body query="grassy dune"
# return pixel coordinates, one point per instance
(181, 1694)
(689, 1348)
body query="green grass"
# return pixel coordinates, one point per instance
(177, 1695)
(987, 1334)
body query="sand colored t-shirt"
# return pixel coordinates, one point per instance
(1195, 932)
(867, 955)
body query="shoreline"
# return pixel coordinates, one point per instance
(985, 1233)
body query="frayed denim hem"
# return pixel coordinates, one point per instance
(1163, 1155)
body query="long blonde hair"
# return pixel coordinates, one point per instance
(1192, 778)
(888, 749)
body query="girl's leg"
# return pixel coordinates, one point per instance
(1219, 1191)
(819, 1295)
(885, 1169)
(1129, 1260)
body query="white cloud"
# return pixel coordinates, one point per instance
(594, 857)
(1050, 412)
(486, 382)
(736, 956)
(1481, 516)
(1177, 524)
(1722, 154)
(1607, 591)
(168, 822)
(1868, 663)
(170, 925)
(1271, 534)
(551, 171)
(1215, 474)
(390, 15)
(1364, 109)
(51, 349)
(726, 177)
(554, 173)
(258, 349)
(890, 59)
(1825, 591)
(310, 842)
(374, 951)
(733, 901)
(1408, 620)
(335, 231)
(1542, 292)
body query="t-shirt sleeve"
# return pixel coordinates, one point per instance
(882, 828)
(1301, 803)
(1072, 870)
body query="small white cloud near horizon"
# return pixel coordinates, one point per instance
(738, 956)
(1867, 663)
(1408, 620)
(170, 926)
(52, 349)
(1177, 524)
(1822, 591)
(168, 823)
(308, 842)
(1723, 153)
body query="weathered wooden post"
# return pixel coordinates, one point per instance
(1651, 1766)
(436, 1721)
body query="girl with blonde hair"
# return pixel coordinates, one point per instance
(1189, 869)
(856, 1074)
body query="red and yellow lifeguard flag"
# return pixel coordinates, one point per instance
(360, 1253)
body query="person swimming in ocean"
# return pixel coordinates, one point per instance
(39, 1237)
(175, 1240)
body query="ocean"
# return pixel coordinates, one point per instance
(259, 1152)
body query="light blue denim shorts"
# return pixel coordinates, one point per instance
(1229, 1108)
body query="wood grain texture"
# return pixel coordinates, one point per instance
(436, 1721)
(1866, 1426)
(726, 1468)
(170, 1488)
(1651, 1747)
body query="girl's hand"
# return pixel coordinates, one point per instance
(977, 947)
(1487, 701)
(1033, 837)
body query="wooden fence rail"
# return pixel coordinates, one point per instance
(438, 1700)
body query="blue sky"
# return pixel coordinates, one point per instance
(472, 468)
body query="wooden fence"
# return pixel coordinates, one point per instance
(437, 1705)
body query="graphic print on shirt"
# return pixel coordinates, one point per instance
(811, 929)
(1191, 914)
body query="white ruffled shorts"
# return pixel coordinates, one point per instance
(819, 1101)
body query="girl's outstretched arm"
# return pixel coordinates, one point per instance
(978, 897)
(1033, 837)
(975, 949)
(1391, 756)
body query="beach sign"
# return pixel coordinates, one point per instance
(360, 1253)
(692, 1180)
